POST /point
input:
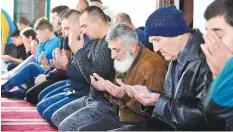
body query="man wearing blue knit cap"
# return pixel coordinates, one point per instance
(180, 107)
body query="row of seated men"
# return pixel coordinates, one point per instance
(111, 80)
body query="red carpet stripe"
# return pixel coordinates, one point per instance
(16, 104)
(19, 115)
(27, 128)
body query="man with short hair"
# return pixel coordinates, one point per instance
(21, 52)
(88, 108)
(53, 74)
(218, 49)
(134, 65)
(22, 23)
(125, 19)
(55, 96)
(55, 13)
(180, 107)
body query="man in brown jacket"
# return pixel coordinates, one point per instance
(135, 65)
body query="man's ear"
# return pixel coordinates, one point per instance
(179, 37)
(133, 47)
(98, 24)
(30, 38)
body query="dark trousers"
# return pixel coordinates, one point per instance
(33, 92)
(11, 65)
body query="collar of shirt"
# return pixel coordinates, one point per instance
(183, 55)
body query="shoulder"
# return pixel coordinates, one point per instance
(152, 62)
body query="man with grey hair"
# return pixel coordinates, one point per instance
(123, 18)
(134, 65)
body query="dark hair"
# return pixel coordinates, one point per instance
(220, 8)
(24, 21)
(28, 33)
(43, 23)
(95, 12)
(16, 33)
(60, 16)
(68, 13)
(59, 9)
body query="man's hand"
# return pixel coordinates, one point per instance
(98, 82)
(115, 90)
(76, 41)
(53, 61)
(39, 79)
(61, 59)
(44, 61)
(128, 90)
(142, 94)
(217, 54)
(7, 58)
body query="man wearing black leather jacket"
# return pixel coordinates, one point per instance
(180, 107)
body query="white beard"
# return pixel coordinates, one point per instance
(124, 65)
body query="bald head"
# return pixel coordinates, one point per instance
(82, 4)
(123, 18)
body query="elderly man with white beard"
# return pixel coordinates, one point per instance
(134, 65)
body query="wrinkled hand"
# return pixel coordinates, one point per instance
(76, 41)
(115, 90)
(142, 94)
(39, 79)
(217, 54)
(129, 91)
(44, 61)
(7, 58)
(98, 82)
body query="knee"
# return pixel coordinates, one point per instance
(84, 128)
(41, 107)
(63, 126)
(31, 98)
(56, 119)
(68, 125)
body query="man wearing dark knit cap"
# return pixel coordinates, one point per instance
(180, 107)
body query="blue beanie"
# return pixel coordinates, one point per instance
(166, 22)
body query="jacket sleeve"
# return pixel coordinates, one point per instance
(219, 101)
(56, 74)
(100, 63)
(186, 112)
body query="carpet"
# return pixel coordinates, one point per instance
(19, 115)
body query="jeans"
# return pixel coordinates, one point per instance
(48, 106)
(25, 75)
(58, 86)
(85, 110)
(108, 122)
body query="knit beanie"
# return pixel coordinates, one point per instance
(166, 22)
